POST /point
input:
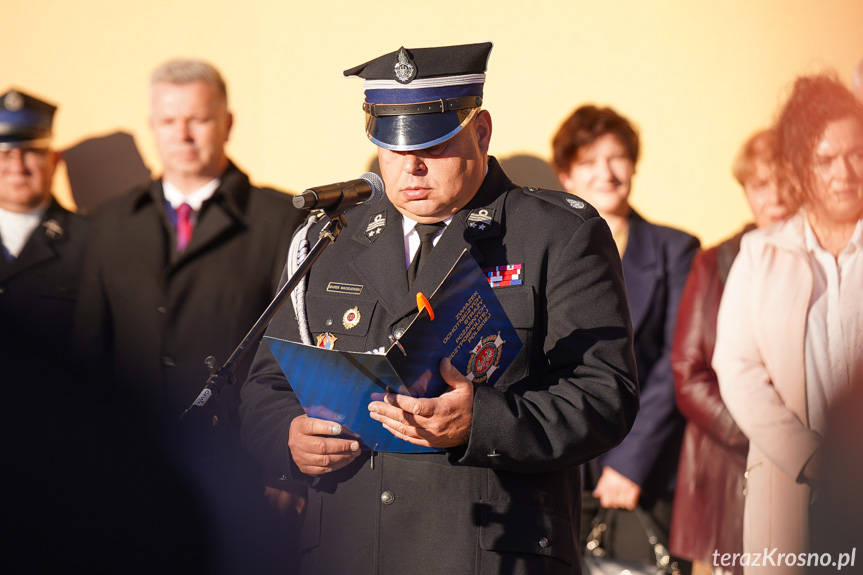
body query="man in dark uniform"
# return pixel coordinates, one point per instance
(501, 493)
(177, 270)
(42, 243)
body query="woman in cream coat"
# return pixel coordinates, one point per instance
(790, 325)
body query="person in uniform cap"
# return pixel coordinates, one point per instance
(42, 243)
(500, 493)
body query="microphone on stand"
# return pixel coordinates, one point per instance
(368, 188)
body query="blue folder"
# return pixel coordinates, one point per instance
(470, 327)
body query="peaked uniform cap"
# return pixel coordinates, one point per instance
(25, 121)
(419, 97)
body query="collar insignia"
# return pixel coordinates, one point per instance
(577, 204)
(52, 229)
(404, 67)
(480, 219)
(377, 224)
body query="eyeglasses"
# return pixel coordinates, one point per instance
(30, 157)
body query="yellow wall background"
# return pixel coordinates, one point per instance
(697, 77)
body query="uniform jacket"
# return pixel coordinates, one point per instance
(655, 266)
(759, 362)
(708, 500)
(507, 502)
(39, 289)
(151, 317)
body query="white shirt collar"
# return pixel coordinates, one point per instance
(195, 199)
(408, 224)
(17, 227)
(812, 245)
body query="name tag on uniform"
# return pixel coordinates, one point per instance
(350, 289)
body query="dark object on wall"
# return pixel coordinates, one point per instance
(102, 168)
(529, 170)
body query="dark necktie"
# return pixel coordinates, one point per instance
(7, 255)
(184, 226)
(426, 232)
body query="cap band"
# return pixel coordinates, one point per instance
(436, 107)
(440, 82)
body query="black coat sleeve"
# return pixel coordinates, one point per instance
(584, 399)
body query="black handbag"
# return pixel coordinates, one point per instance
(596, 561)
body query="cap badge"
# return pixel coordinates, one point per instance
(351, 318)
(577, 204)
(52, 229)
(14, 101)
(480, 219)
(377, 224)
(404, 68)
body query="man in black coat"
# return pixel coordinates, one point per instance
(42, 243)
(501, 493)
(177, 270)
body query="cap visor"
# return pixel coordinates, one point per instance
(418, 131)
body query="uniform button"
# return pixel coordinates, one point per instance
(493, 453)
(532, 189)
(215, 420)
(543, 542)
(399, 332)
(387, 497)
(329, 321)
(161, 309)
(168, 361)
(2, 291)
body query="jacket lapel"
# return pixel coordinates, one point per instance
(40, 245)
(374, 265)
(383, 268)
(639, 269)
(222, 214)
(480, 219)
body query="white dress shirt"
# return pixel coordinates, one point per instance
(833, 344)
(412, 238)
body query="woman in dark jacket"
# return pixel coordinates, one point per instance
(595, 154)
(708, 501)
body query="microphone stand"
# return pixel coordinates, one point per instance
(224, 375)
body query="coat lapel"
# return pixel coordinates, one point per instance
(639, 269)
(374, 265)
(463, 233)
(382, 269)
(221, 215)
(40, 246)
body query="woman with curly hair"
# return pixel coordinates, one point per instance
(790, 327)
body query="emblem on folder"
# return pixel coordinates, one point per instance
(484, 358)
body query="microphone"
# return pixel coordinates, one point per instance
(369, 188)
